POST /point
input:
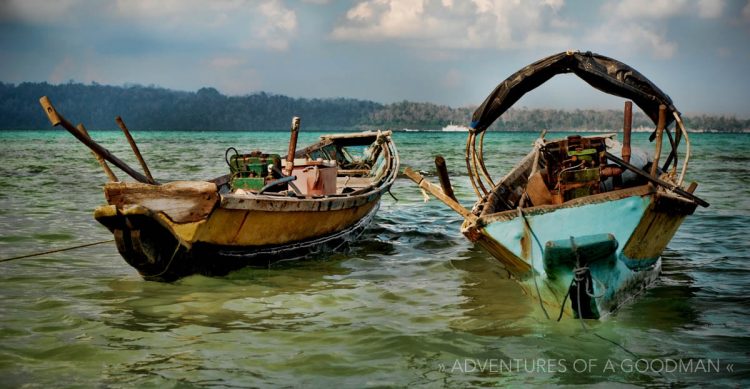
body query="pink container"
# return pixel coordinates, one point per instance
(315, 178)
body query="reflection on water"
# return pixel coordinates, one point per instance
(413, 303)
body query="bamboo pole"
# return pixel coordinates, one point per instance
(102, 162)
(58, 120)
(133, 146)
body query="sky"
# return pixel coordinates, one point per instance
(449, 52)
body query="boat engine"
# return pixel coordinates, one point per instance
(573, 167)
(254, 170)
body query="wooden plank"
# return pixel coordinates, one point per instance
(181, 201)
(537, 190)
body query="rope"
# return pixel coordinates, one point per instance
(577, 279)
(56, 251)
(168, 264)
(533, 269)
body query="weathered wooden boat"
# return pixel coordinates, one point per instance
(583, 219)
(322, 198)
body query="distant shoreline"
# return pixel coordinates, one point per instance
(148, 108)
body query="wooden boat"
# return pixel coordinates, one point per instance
(326, 195)
(580, 222)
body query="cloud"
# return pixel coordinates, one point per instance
(447, 24)
(746, 12)
(641, 25)
(279, 25)
(268, 24)
(634, 36)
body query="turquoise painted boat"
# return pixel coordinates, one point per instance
(580, 222)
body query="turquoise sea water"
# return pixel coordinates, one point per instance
(412, 304)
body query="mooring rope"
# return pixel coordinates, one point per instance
(56, 251)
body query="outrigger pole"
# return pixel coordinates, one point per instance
(58, 120)
(439, 193)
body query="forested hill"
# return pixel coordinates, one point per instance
(154, 108)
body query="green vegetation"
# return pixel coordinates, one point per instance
(154, 108)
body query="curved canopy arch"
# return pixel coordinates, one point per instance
(603, 73)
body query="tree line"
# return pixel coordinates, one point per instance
(155, 108)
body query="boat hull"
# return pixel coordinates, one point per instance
(617, 237)
(229, 239)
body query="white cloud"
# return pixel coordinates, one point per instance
(445, 24)
(640, 25)
(279, 25)
(361, 11)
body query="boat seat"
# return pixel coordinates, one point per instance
(352, 183)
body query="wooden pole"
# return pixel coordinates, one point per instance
(102, 162)
(627, 127)
(445, 181)
(58, 120)
(656, 180)
(133, 146)
(292, 146)
(659, 135)
(438, 193)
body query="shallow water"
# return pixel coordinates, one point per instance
(413, 303)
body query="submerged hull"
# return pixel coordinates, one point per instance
(611, 242)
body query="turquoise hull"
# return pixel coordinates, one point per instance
(613, 242)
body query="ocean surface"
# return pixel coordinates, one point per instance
(412, 303)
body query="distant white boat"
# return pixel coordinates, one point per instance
(455, 128)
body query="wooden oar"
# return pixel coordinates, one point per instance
(56, 119)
